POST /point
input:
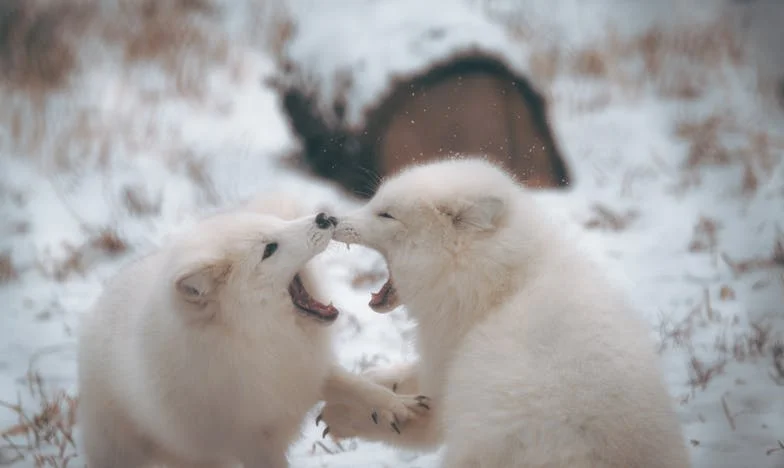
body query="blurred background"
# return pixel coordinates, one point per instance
(652, 131)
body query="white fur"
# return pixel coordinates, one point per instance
(531, 357)
(196, 356)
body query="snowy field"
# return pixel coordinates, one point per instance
(672, 132)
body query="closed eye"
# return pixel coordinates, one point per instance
(270, 249)
(386, 215)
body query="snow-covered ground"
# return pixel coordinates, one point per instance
(674, 140)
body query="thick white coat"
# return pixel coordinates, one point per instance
(531, 356)
(196, 356)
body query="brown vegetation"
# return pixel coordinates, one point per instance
(36, 52)
(590, 62)
(43, 436)
(40, 40)
(678, 60)
(8, 272)
(704, 138)
(607, 219)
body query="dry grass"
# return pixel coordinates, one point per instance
(709, 46)
(750, 181)
(702, 373)
(591, 63)
(705, 140)
(545, 64)
(774, 260)
(679, 61)
(705, 48)
(8, 271)
(607, 219)
(80, 258)
(705, 237)
(777, 354)
(109, 242)
(139, 204)
(36, 45)
(726, 293)
(184, 40)
(170, 34)
(778, 448)
(41, 40)
(283, 31)
(740, 347)
(731, 344)
(758, 152)
(45, 45)
(43, 436)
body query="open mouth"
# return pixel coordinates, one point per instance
(385, 299)
(309, 306)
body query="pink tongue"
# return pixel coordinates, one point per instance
(303, 300)
(385, 299)
(321, 309)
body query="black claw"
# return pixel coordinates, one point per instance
(394, 426)
(394, 387)
(318, 419)
(324, 434)
(374, 416)
(421, 399)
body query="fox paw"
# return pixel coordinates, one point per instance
(344, 421)
(392, 377)
(405, 408)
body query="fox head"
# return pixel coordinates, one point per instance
(452, 221)
(237, 266)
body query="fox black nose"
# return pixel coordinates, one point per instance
(325, 222)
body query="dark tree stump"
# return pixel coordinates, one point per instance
(431, 88)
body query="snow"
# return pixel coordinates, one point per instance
(416, 36)
(181, 155)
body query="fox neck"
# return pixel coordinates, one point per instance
(447, 304)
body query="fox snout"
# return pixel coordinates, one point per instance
(345, 232)
(324, 221)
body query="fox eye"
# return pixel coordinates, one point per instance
(386, 215)
(270, 249)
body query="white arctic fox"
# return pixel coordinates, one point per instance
(210, 351)
(530, 356)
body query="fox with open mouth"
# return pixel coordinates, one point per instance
(211, 350)
(531, 356)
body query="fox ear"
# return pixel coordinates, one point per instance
(199, 284)
(482, 213)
